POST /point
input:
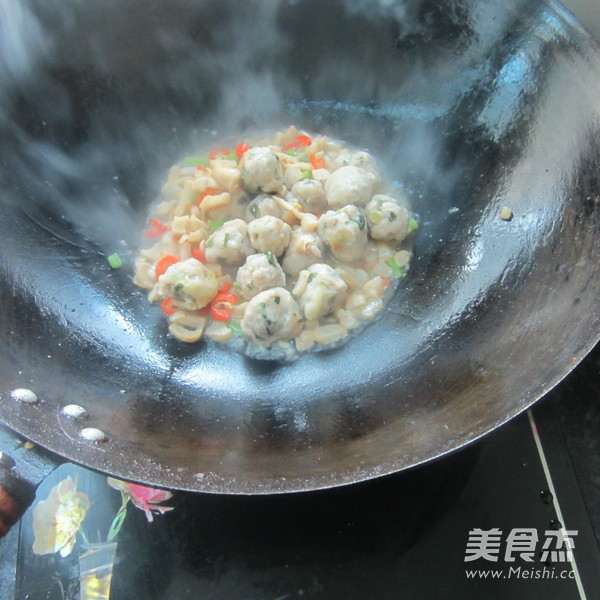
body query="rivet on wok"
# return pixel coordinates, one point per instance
(24, 395)
(91, 434)
(74, 411)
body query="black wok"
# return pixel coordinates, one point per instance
(473, 105)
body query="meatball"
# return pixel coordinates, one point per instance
(310, 194)
(190, 283)
(388, 220)
(305, 249)
(272, 316)
(229, 244)
(345, 232)
(263, 205)
(320, 290)
(261, 170)
(260, 272)
(348, 185)
(360, 159)
(269, 234)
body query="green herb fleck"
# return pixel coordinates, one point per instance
(114, 261)
(196, 161)
(311, 277)
(271, 258)
(398, 272)
(236, 328)
(255, 211)
(263, 305)
(393, 216)
(226, 240)
(306, 175)
(304, 158)
(277, 299)
(231, 156)
(361, 221)
(376, 217)
(413, 225)
(178, 288)
(215, 224)
(292, 152)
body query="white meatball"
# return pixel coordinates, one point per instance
(262, 206)
(260, 272)
(320, 290)
(360, 159)
(348, 185)
(310, 194)
(229, 244)
(269, 234)
(261, 170)
(190, 283)
(345, 232)
(272, 316)
(305, 249)
(388, 220)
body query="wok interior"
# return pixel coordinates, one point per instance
(471, 105)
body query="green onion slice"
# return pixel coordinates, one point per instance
(236, 328)
(114, 260)
(196, 161)
(398, 272)
(215, 224)
(271, 258)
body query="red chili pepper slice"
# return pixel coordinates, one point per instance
(198, 255)
(239, 151)
(210, 191)
(168, 307)
(298, 143)
(225, 287)
(221, 308)
(164, 263)
(201, 168)
(317, 162)
(156, 228)
(218, 153)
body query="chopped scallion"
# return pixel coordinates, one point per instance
(215, 224)
(306, 175)
(231, 156)
(413, 225)
(114, 261)
(196, 161)
(255, 211)
(360, 220)
(236, 328)
(398, 272)
(271, 258)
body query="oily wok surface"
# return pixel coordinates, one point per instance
(472, 105)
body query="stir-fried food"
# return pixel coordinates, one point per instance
(276, 247)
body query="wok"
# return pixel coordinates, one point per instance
(472, 105)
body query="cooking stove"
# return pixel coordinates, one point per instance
(483, 522)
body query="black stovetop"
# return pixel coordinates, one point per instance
(405, 536)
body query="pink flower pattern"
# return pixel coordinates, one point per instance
(145, 498)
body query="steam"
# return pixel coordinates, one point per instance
(111, 93)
